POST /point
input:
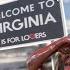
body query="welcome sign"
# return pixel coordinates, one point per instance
(30, 21)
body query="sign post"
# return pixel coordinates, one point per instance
(29, 22)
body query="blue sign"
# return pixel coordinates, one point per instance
(29, 21)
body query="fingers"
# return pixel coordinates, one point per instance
(38, 57)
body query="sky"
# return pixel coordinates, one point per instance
(67, 13)
(67, 9)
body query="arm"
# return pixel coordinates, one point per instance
(38, 57)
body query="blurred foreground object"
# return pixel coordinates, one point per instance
(36, 60)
